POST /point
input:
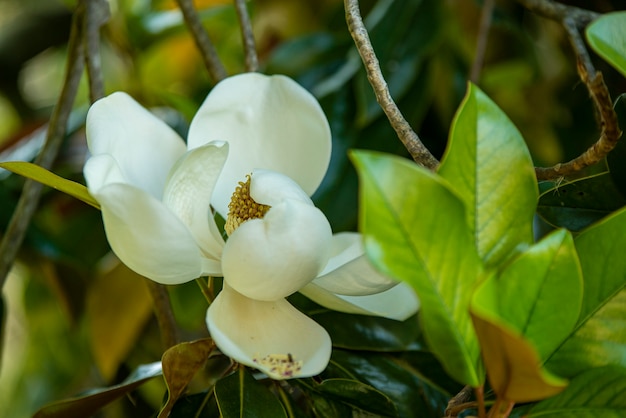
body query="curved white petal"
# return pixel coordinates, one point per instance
(248, 330)
(149, 238)
(144, 147)
(271, 258)
(101, 170)
(270, 188)
(348, 271)
(270, 122)
(188, 193)
(399, 302)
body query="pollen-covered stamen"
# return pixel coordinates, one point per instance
(282, 365)
(242, 207)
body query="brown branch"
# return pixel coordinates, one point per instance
(559, 12)
(481, 43)
(409, 138)
(164, 314)
(96, 14)
(602, 101)
(252, 61)
(16, 230)
(459, 402)
(203, 42)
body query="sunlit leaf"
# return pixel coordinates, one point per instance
(579, 203)
(240, 395)
(594, 393)
(92, 401)
(48, 178)
(358, 395)
(180, 364)
(429, 246)
(118, 306)
(529, 293)
(488, 164)
(606, 36)
(599, 337)
(513, 366)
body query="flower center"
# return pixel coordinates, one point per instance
(282, 365)
(242, 207)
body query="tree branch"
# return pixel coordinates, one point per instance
(164, 314)
(96, 14)
(252, 61)
(481, 43)
(203, 42)
(16, 230)
(409, 138)
(559, 12)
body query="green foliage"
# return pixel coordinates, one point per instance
(607, 35)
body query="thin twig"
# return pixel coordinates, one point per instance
(16, 230)
(96, 15)
(481, 43)
(602, 100)
(164, 314)
(558, 12)
(203, 42)
(409, 138)
(459, 402)
(252, 61)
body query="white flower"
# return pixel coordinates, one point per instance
(267, 138)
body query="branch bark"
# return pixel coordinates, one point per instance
(408, 137)
(252, 60)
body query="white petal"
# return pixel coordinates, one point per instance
(188, 193)
(399, 302)
(348, 271)
(149, 238)
(101, 170)
(144, 147)
(248, 330)
(270, 122)
(270, 188)
(271, 258)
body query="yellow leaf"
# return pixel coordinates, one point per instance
(513, 366)
(118, 307)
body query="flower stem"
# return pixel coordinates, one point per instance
(206, 287)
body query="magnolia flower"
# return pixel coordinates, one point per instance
(256, 151)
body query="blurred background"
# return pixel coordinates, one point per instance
(73, 317)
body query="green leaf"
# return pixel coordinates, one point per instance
(240, 395)
(594, 393)
(599, 337)
(358, 395)
(615, 159)
(607, 37)
(48, 178)
(427, 245)
(180, 364)
(92, 401)
(198, 405)
(488, 164)
(513, 365)
(578, 204)
(528, 294)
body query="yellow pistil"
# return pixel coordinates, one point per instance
(242, 207)
(282, 365)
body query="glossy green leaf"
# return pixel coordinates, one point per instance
(599, 337)
(240, 395)
(427, 245)
(607, 36)
(48, 178)
(513, 366)
(615, 159)
(91, 402)
(578, 204)
(488, 164)
(596, 393)
(180, 364)
(358, 395)
(528, 294)
(198, 405)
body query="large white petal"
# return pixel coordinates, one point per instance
(272, 257)
(149, 238)
(101, 170)
(248, 330)
(270, 122)
(144, 147)
(399, 302)
(188, 193)
(348, 271)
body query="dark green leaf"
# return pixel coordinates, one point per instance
(240, 395)
(594, 393)
(358, 395)
(199, 405)
(615, 159)
(90, 402)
